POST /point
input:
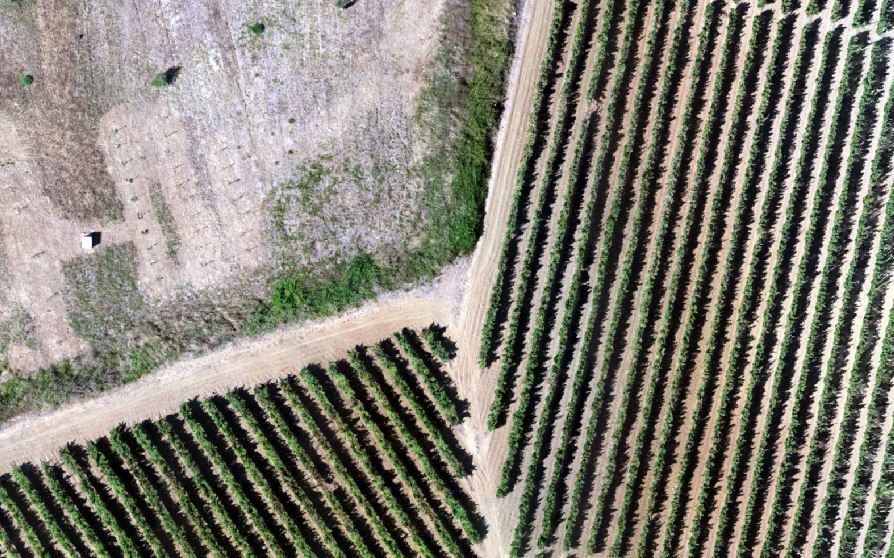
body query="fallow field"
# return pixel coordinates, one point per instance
(688, 340)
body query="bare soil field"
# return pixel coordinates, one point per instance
(290, 148)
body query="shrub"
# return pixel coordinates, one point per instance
(295, 295)
(167, 77)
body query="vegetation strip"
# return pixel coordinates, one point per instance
(835, 374)
(871, 222)
(769, 107)
(706, 162)
(539, 225)
(714, 267)
(624, 73)
(774, 298)
(546, 305)
(500, 293)
(651, 403)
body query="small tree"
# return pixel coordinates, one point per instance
(257, 28)
(166, 77)
(26, 80)
(344, 3)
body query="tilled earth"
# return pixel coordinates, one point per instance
(201, 174)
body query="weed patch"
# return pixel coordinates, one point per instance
(165, 78)
(165, 220)
(102, 296)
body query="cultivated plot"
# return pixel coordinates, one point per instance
(688, 338)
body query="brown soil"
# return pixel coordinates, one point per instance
(87, 144)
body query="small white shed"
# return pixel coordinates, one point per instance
(89, 241)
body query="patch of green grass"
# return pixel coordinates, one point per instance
(80, 377)
(144, 359)
(301, 295)
(165, 78)
(165, 220)
(104, 303)
(257, 28)
(472, 151)
(16, 326)
(26, 80)
(295, 194)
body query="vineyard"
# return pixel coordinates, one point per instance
(357, 459)
(674, 337)
(688, 337)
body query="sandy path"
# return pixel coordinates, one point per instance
(536, 186)
(459, 300)
(36, 437)
(275, 355)
(530, 48)
(510, 142)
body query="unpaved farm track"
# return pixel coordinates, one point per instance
(35, 438)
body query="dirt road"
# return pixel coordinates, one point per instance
(244, 364)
